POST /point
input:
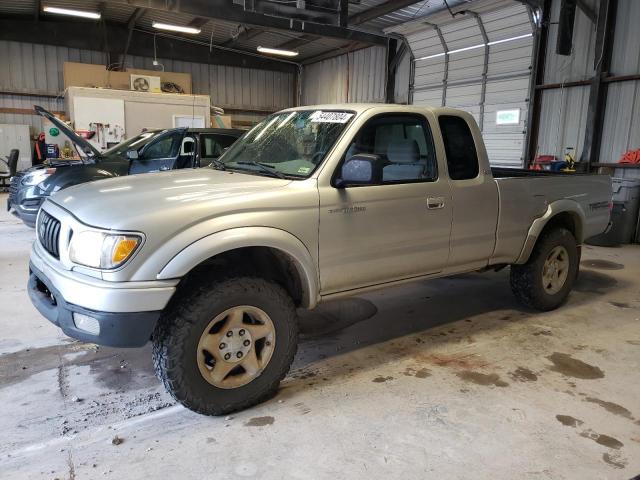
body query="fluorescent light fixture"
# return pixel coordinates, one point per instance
(72, 12)
(278, 51)
(175, 28)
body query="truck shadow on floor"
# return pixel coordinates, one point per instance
(413, 319)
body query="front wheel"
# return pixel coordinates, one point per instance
(227, 345)
(544, 282)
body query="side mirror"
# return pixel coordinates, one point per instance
(361, 169)
(132, 154)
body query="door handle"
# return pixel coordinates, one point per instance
(435, 203)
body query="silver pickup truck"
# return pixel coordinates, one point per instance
(312, 204)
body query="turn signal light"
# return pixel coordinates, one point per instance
(122, 249)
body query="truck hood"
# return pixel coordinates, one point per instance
(174, 199)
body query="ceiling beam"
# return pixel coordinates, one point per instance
(355, 19)
(199, 22)
(587, 10)
(83, 34)
(131, 24)
(225, 10)
(380, 11)
(245, 34)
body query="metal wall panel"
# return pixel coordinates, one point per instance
(32, 68)
(358, 76)
(579, 65)
(626, 50)
(562, 121)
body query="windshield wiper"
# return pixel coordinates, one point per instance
(265, 167)
(217, 164)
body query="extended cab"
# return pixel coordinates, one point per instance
(312, 204)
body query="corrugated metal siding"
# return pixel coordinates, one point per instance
(33, 68)
(563, 112)
(563, 121)
(621, 130)
(579, 65)
(563, 115)
(508, 71)
(358, 76)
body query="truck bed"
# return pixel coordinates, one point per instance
(501, 172)
(524, 195)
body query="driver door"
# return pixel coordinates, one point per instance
(160, 154)
(399, 228)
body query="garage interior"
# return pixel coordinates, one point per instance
(443, 378)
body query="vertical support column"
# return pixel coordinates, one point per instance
(605, 31)
(343, 15)
(541, 40)
(392, 52)
(485, 69)
(445, 77)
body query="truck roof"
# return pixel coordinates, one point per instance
(362, 107)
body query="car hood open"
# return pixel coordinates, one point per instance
(80, 142)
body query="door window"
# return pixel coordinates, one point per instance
(166, 147)
(404, 143)
(462, 159)
(213, 145)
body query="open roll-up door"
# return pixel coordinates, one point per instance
(480, 62)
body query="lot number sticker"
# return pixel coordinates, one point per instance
(330, 117)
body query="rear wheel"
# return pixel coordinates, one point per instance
(544, 282)
(227, 345)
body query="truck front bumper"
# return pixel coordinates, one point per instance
(94, 311)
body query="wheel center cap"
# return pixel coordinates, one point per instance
(235, 345)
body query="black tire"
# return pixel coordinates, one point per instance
(526, 279)
(175, 343)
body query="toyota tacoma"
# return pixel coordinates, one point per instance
(312, 204)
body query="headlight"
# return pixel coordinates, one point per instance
(102, 250)
(37, 177)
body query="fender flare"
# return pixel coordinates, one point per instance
(553, 209)
(199, 251)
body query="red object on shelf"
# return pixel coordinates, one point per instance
(86, 133)
(632, 156)
(542, 161)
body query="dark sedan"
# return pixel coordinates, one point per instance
(151, 151)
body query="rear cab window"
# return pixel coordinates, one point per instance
(460, 148)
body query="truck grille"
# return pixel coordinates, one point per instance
(49, 233)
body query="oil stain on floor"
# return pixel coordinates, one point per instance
(611, 407)
(604, 440)
(485, 379)
(569, 421)
(259, 422)
(602, 264)
(522, 374)
(571, 367)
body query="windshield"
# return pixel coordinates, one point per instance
(289, 144)
(135, 143)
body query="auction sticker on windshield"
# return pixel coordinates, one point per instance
(330, 117)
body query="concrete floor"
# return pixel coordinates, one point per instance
(442, 379)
